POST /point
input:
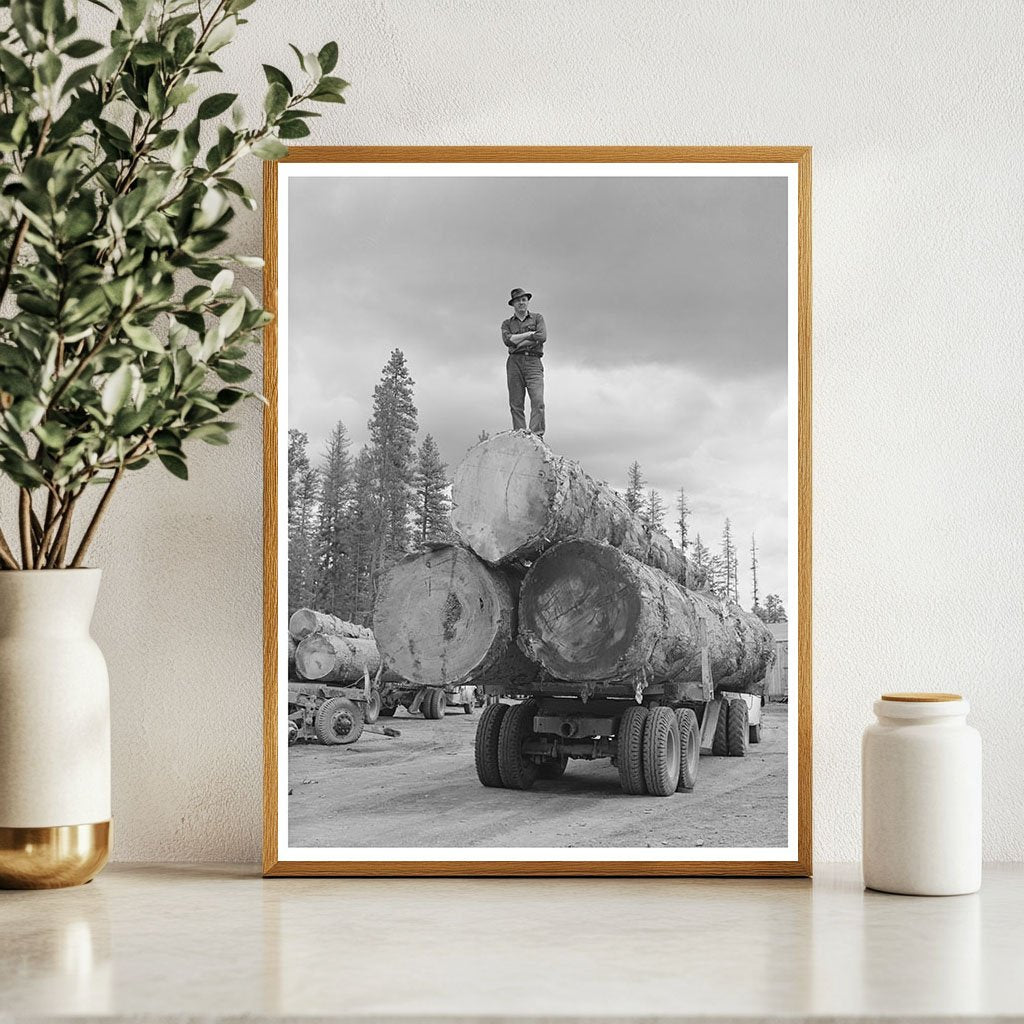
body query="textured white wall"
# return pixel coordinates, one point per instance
(914, 113)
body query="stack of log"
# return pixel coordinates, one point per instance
(556, 579)
(328, 649)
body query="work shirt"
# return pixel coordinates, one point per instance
(530, 322)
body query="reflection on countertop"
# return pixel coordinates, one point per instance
(180, 941)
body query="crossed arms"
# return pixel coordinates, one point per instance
(517, 341)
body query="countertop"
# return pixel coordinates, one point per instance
(179, 942)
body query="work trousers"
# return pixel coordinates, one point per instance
(526, 375)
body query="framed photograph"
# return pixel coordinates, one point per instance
(538, 511)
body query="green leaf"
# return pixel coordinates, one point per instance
(49, 68)
(216, 104)
(149, 53)
(184, 44)
(181, 94)
(78, 78)
(328, 57)
(211, 433)
(144, 338)
(233, 373)
(53, 435)
(26, 414)
(293, 130)
(174, 464)
(269, 149)
(83, 48)
(276, 99)
(16, 70)
(221, 35)
(222, 282)
(232, 319)
(133, 12)
(274, 75)
(116, 390)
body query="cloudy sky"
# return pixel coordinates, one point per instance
(665, 303)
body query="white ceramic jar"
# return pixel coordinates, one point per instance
(921, 779)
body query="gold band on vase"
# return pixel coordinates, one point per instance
(52, 857)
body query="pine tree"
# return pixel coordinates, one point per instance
(701, 559)
(773, 610)
(393, 445)
(433, 507)
(753, 573)
(303, 493)
(483, 435)
(716, 576)
(333, 539)
(653, 513)
(364, 517)
(729, 563)
(635, 488)
(684, 514)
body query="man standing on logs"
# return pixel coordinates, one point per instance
(524, 335)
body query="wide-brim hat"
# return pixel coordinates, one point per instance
(518, 293)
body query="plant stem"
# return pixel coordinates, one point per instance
(94, 523)
(6, 554)
(56, 555)
(54, 508)
(25, 523)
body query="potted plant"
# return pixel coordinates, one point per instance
(122, 343)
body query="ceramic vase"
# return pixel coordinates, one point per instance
(921, 766)
(54, 731)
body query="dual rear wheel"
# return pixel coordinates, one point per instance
(658, 750)
(501, 761)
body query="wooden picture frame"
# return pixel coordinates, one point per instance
(793, 160)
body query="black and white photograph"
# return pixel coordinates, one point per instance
(538, 571)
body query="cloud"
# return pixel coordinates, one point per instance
(666, 307)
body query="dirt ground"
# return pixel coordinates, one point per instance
(421, 789)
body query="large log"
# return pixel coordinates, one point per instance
(590, 612)
(443, 617)
(512, 498)
(307, 620)
(336, 659)
(292, 645)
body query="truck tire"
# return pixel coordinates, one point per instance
(631, 750)
(338, 721)
(487, 731)
(661, 752)
(553, 769)
(720, 744)
(434, 703)
(739, 728)
(689, 748)
(755, 733)
(516, 769)
(373, 707)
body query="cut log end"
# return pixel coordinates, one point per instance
(502, 494)
(581, 606)
(439, 615)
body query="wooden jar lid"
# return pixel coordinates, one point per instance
(921, 698)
